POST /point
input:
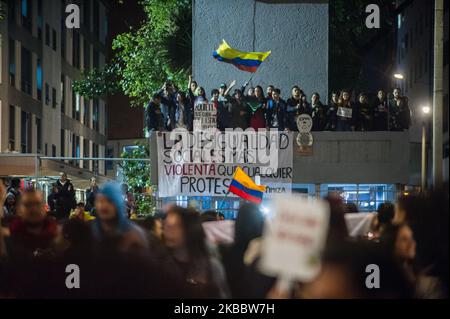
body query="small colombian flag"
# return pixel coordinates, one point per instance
(245, 61)
(243, 186)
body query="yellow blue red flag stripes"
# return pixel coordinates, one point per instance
(245, 61)
(243, 186)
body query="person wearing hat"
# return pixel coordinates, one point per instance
(112, 228)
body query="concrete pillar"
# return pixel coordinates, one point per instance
(438, 93)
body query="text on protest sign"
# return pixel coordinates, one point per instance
(295, 237)
(203, 164)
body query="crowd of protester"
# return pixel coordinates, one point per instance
(252, 107)
(169, 256)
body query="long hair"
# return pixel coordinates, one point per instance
(249, 225)
(262, 97)
(194, 234)
(341, 98)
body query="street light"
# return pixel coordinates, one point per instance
(426, 110)
(399, 76)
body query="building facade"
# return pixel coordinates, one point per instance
(415, 61)
(295, 31)
(40, 58)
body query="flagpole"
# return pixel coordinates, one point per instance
(227, 193)
(224, 200)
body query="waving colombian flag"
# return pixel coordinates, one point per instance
(243, 186)
(245, 61)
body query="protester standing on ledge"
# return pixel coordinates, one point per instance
(257, 105)
(293, 105)
(365, 114)
(346, 113)
(332, 112)
(381, 115)
(276, 111)
(239, 110)
(400, 108)
(318, 113)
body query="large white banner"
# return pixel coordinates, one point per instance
(203, 164)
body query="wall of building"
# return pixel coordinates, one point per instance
(295, 31)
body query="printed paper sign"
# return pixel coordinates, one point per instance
(345, 112)
(205, 117)
(294, 238)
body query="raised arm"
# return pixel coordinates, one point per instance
(232, 84)
(190, 82)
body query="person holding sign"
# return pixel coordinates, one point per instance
(346, 113)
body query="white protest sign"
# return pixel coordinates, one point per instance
(219, 232)
(205, 117)
(295, 237)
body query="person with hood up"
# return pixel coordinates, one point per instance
(112, 229)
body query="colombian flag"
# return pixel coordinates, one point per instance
(245, 61)
(243, 186)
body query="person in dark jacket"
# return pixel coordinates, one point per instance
(168, 104)
(190, 101)
(12, 197)
(332, 112)
(318, 113)
(245, 279)
(239, 111)
(346, 113)
(276, 111)
(365, 114)
(402, 113)
(381, 113)
(293, 106)
(31, 249)
(65, 201)
(153, 115)
(224, 106)
(305, 107)
(52, 199)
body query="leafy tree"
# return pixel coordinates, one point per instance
(159, 50)
(2, 10)
(137, 177)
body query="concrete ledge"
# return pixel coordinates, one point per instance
(355, 157)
